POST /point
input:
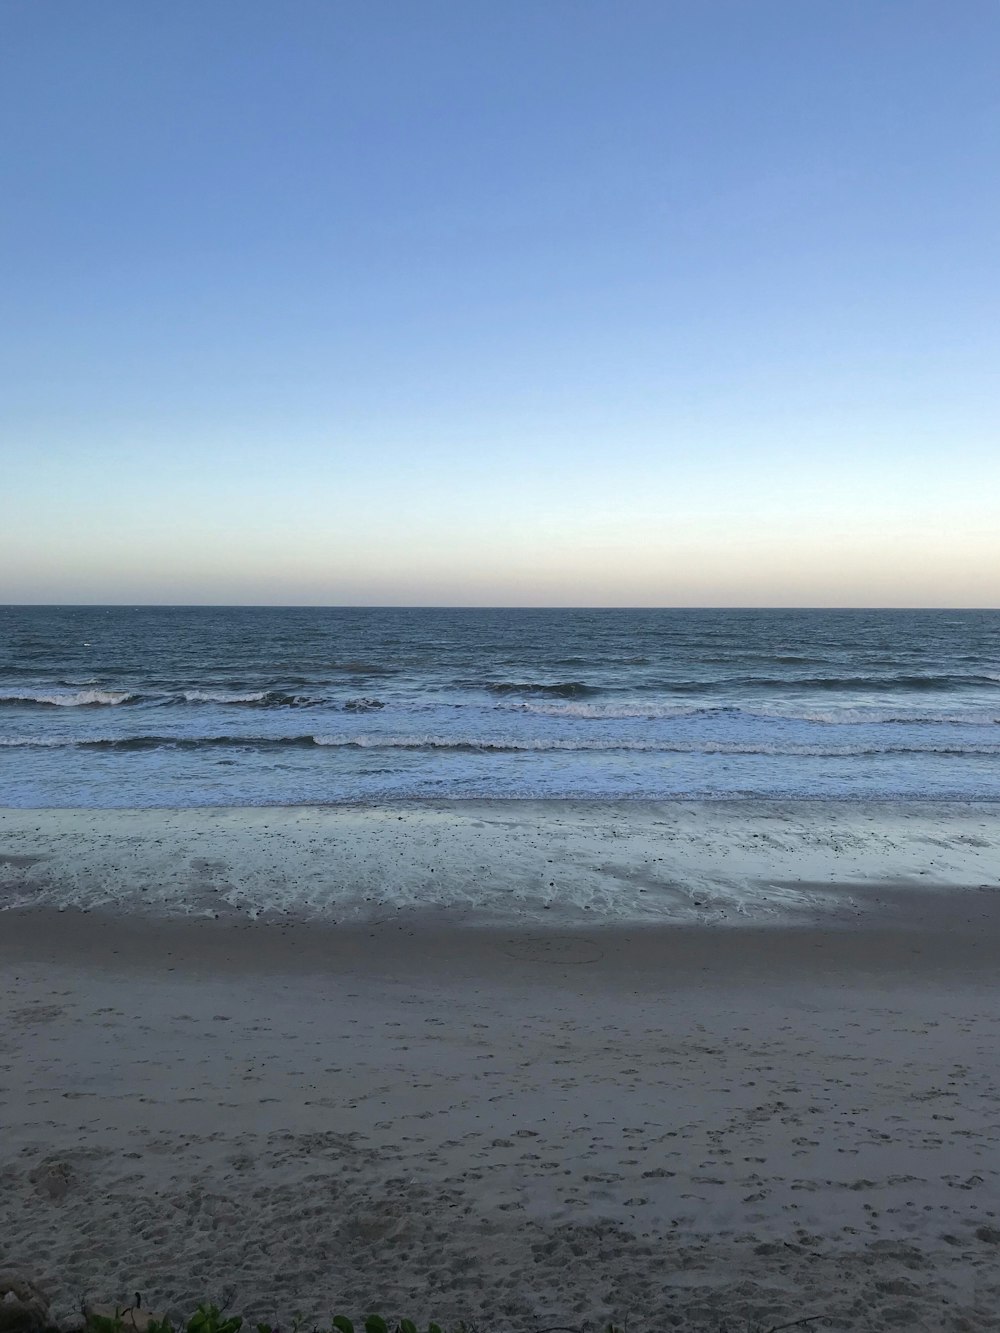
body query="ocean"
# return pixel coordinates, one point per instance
(196, 706)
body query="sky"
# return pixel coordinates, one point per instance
(679, 303)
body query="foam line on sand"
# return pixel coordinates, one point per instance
(511, 861)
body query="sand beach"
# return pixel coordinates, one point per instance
(517, 1120)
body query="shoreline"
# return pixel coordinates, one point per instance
(499, 862)
(901, 935)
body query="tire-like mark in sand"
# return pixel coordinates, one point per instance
(548, 949)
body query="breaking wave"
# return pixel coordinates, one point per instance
(875, 684)
(61, 698)
(561, 689)
(84, 698)
(898, 684)
(254, 698)
(881, 684)
(485, 745)
(614, 712)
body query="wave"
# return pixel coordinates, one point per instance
(220, 697)
(612, 712)
(853, 717)
(874, 684)
(615, 712)
(898, 684)
(561, 689)
(255, 698)
(126, 744)
(62, 698)
(483, 745)
(863, 684)
(583, 746)
(82, 698)
(627, 699)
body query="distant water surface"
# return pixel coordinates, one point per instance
(165, 706)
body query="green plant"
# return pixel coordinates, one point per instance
(103, 1324)
(209, 1319)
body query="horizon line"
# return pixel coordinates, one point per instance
(463, 606)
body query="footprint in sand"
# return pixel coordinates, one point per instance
(36, 1013)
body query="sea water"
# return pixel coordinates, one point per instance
(190, 706)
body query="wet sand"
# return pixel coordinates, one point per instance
(502, 862)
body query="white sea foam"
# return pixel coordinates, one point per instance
(861, 716)
(224, 697)
(62, 698)
(483, 745)
(583, 744)
(33, 743)
(609, 712)
(377, 861)
(613, 712)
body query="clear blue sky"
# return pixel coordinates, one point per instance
(633, 303)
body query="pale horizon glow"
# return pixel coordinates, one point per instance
(574, 304)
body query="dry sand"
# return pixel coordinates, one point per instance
(694, 1126)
